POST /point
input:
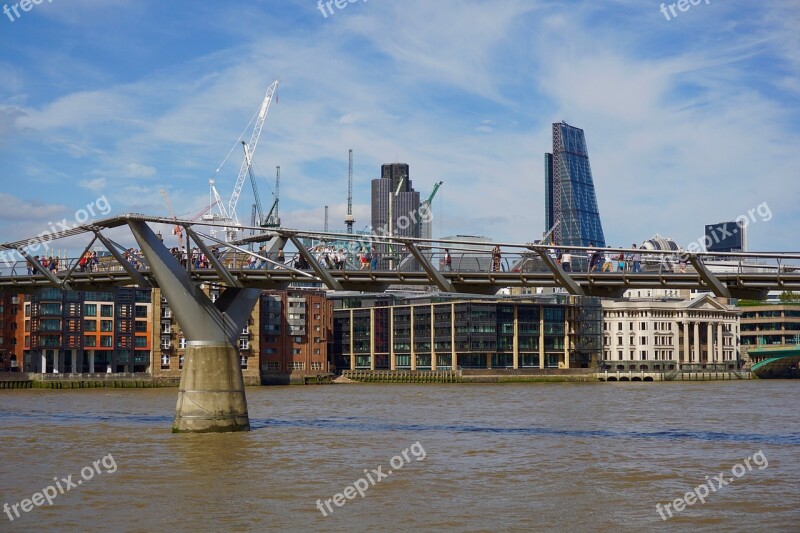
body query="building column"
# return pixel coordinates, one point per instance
(453, 354)
(392, 355)
(372, 338)
(515, 340)
(56, 361)
(352, 342)
(74, 361)
(91, 361)
(44, 362)
(710, 335)
(697, 340)
(541, 338)
(433, 340)
(685, 359)
(413, 351)
(566, 337)
(720, 344)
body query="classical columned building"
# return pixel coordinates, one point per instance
(700, 334)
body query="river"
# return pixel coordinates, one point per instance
(516, 457)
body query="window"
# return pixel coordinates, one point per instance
(316, 339)
(243, 361)
(106, 310)
(141, 311)
(182, 344)
(141, 342)
(298, 365)
(269, 350)
(166, 328)
(316, 365)
(164, 360)
(298, 340)
(89, 325)
(273, 366)
(316, 351)
(296, 351)
(141, 326)
(89, 309)
(244, 344)
(105, 341)
(106, 325)
(89, 341)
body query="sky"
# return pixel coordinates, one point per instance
(689, 119)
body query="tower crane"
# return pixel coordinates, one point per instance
(424, 208)
(250, 149)
(273, 219)
(348, 219)
(177, 229)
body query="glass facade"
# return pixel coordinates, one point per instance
(569, 192)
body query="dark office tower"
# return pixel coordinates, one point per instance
(405, 207)
(569, 190)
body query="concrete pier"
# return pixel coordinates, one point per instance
(211, 396)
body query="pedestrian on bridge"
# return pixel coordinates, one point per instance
(496, 259)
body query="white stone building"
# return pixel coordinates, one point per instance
(659, 335)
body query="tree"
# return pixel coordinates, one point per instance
(789, 297)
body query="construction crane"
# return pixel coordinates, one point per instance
(326, 219)
(177, 229)
(250, 149)
(273, 219)
(256, 196)
(348, 219)
(425, 211)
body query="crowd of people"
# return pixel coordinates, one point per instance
(600, 261)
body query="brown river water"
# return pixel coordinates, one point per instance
(517, 457)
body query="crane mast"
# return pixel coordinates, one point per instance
(348, 219)
(251, 149)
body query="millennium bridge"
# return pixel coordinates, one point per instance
(211, 395)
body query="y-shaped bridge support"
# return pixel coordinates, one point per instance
(211, 396)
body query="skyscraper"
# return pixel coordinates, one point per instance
(405, 206)
(570, 199)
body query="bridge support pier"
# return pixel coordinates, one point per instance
(211, 396)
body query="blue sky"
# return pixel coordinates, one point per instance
(688, 121)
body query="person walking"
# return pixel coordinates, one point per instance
(594, 259)
(566, 261)
(373, 264)
(608, 265)
(496, 259)
(621, 263)
(448, 260)
(636, 259)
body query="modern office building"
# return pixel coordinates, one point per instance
(394, 332)
(86, 332)
(9, 307)
(296, 331)
(570, 200)
(395, 183)
(769, 324)
(167, 358)
(726, 237)
(659, 335)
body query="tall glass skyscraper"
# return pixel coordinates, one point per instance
(570, 200)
